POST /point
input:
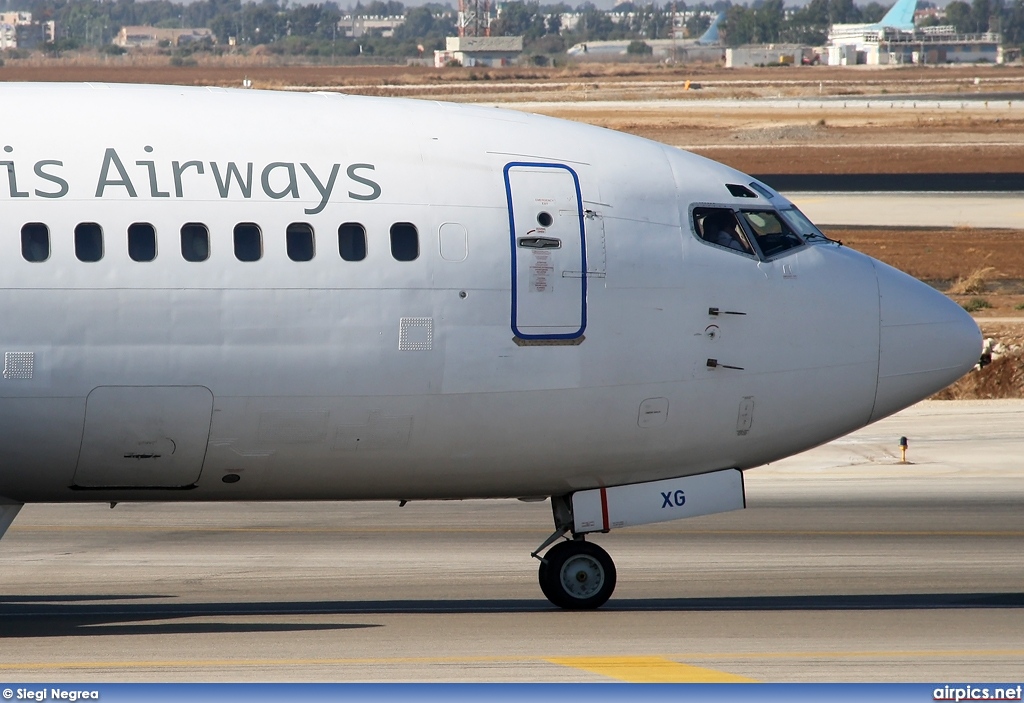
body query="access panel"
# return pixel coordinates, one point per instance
(549, 261)
(144, 437)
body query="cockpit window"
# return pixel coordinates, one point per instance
(739, 191)
(763, 190)
(799, 222)
(719, 226)
(771, 232)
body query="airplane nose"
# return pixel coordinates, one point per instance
(926, 341)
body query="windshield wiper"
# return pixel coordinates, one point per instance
(818, 235)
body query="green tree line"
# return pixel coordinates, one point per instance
(312, 29)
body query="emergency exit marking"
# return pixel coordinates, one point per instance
(541, 270)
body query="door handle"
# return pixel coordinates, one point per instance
(540, 243)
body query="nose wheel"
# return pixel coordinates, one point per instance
(577, 575)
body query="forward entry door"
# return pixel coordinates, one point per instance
(549, 260)
(144, 436)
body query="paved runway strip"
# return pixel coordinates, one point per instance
(846, 566)
(976, 210)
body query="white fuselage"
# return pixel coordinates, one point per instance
(486, 366)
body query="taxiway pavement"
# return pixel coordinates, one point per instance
(846, 566)
(939, 210)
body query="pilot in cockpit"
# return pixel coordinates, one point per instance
(720, 227)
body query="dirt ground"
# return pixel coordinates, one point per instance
(979, 128)
(1003, 376)
(983, 270)
(963, 263)
(606, 81)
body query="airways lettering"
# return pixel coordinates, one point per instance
(179, 168)
(224, 184)
(110, 158)
(154, 191)
(38, 169)
(325, 191)
(374, 188)
(52, 178)
(291, 187)
(12, 177)
(277, 180)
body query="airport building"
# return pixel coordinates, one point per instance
(356, 26)
(708, 48)
(479, 51)
(152, 37)
(774, 55)
(897, 39)
(669, 50)
(856, 44)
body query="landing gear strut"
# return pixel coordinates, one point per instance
(577, 575)
(574, 574)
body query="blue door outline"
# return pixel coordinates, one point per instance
(512, 241)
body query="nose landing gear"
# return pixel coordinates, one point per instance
(577, 575)
(574, 574)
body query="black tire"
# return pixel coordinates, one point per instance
(545, 581)
(577, 575)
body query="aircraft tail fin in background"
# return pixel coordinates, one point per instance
(711, 35)
(900, 15)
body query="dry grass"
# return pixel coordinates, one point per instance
(271, 70)
(942, 256)
(973, 284)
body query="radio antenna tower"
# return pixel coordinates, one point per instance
(474, 18)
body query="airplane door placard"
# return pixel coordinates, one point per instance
(545, 212)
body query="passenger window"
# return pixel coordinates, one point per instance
(88, 241)
(299, 236)
(772, 234)
(719, 226)
(248, 244)
(35, 242)
(405, 241)
(352, 241)
(195, 242)
(141, 241)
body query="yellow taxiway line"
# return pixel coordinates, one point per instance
(649, 670)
